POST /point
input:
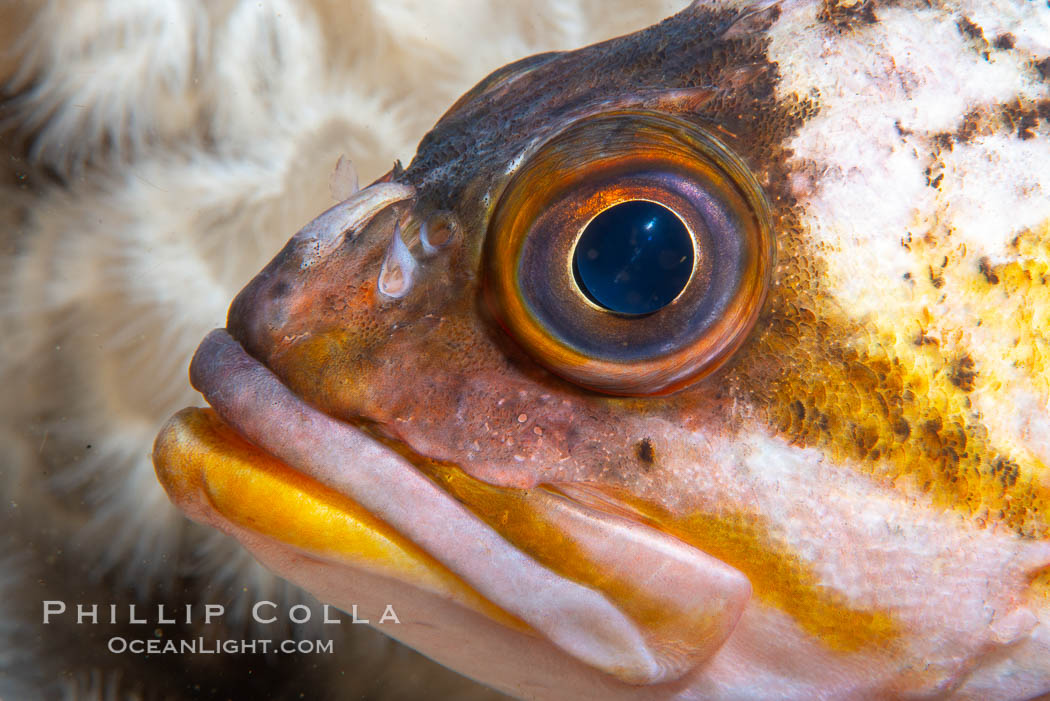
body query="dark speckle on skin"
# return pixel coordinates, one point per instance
(645, 453)
(1006, 470)
(1005, 41)
(964, 373)
(798, 410)
(1043, 67)
(987, 271)
(943, 140)
(279, 289)
(1022, 118)
(924, 340)
(969, 28)
(969, 127)
(973, 31)
(1027, 125)
(1043, 110)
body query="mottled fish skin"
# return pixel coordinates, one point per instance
(873, 459)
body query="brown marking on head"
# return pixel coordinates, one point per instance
(847, 15)
(935, 276)
(963, 373)
(969, 127)
(1020, 115)
(1042, 67)
(1005, 41)
(985, 268)
(971, 29)
(866, 400)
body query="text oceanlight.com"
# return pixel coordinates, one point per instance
(201, 646)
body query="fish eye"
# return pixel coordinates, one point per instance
(630, 253)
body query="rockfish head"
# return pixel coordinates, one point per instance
(706, 362)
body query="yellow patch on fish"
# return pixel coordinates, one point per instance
(889, 398)
(779, 577)
(254, 490)
(514, 514)
(1013, 299)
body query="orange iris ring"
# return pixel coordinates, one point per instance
(590, 166)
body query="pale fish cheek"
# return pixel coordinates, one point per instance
(950, 586)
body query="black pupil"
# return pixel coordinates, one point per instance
(633, 258)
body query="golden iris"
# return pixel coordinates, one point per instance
(587, 269)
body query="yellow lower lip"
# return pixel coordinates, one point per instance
(208, 469)
(592, 568)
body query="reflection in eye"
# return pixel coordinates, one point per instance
(633, 258)
(630, 253)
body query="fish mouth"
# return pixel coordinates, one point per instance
(562, 562)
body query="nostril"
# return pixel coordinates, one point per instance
(437, 232)
(399, 268)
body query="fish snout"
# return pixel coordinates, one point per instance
(313, 275)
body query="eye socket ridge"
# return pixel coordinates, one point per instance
(597, 165)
